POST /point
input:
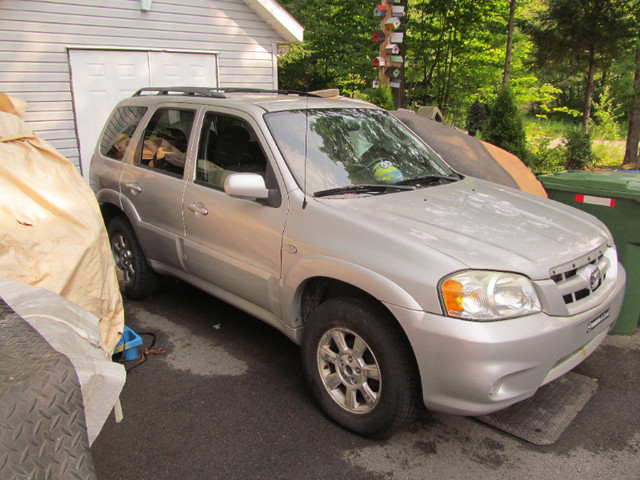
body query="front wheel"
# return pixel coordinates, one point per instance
(139, 280)
(360, 367)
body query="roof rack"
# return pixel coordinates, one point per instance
(261, 90)
(192, 91)
(213, 92)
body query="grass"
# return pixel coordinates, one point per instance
(546, 138)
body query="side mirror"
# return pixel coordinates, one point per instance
(251, 186)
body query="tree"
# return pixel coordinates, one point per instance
(505, 128)
(477, 118)
(337, 50)
(588, 32)
(455, 48)
(507, 60)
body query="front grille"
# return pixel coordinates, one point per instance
(579, 279)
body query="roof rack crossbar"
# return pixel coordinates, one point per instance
(192, 91)
(262, 90)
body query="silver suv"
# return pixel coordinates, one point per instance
(404, 282)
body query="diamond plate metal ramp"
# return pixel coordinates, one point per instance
(42, 424)
(542, 418)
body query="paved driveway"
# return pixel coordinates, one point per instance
(228, 400)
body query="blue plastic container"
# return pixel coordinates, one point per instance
(128, 344)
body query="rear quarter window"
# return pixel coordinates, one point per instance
(119, 131)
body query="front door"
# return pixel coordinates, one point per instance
(233, 244)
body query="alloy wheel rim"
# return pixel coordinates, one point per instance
(349, 370)
(123, 257)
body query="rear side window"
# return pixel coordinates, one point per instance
(119, 131)
(166, 139)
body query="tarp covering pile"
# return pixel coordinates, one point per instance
(51, 230)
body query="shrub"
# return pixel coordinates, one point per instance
(382, 97)
(505, 128)
(579, 152)
(477, 118)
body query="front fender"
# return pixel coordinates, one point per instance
(321, 266)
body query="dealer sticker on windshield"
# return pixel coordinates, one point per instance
(597, 321)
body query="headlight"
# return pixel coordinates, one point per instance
(485, 296)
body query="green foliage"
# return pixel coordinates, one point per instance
(477, 118)
(337, 50)
(579, 151)
(505, 128)
(574, 39)
(606, 117)
(454, 49)
(382, 97)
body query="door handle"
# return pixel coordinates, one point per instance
(134, 187)
(198, 208)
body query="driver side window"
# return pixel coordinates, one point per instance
(227, 145)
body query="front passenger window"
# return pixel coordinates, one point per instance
(166, 139)
(227, 145)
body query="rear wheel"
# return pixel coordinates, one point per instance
(360, 367)
(138, 278)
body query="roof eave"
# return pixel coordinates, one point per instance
(278, 19)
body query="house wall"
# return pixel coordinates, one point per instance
(35, 35)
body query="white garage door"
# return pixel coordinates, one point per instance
(101, 78)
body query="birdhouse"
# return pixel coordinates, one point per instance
(380, 11)
(397, 10)
(393, 23)
(392, 48)
(379, 36)
(379, 62)
(376, 83)
(393, 72)
(397, 37)
(395, 58)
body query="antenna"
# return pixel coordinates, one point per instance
(306, 141)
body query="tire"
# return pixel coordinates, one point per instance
(360, 367)
(139, 280)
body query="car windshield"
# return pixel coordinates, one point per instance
(341, 148)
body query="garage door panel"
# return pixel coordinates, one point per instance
(101, 78)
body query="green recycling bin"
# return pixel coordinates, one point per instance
(613, 197)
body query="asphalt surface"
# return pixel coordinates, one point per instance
(227, 400)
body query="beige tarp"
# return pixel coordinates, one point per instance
(51, 231)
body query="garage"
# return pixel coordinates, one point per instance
(72, 60)
(101, 78)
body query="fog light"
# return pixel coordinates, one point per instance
(495, 388)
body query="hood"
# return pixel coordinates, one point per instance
(483, 225)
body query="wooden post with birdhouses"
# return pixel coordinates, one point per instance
(390, 37)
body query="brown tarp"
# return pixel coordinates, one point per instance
(470, 156)
(51, 230)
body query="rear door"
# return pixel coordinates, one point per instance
(153, 186)
(233, 244)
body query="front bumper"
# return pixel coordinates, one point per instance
(476, 368)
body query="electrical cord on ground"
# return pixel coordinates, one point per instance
(147, 351)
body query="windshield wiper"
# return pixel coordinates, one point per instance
(429, 180)
(373, 189)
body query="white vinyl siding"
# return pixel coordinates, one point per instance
(35, 36)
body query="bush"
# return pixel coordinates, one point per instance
(477, 118)
(505, 129)
(543, 158)
(579, 152)
(382, 97)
